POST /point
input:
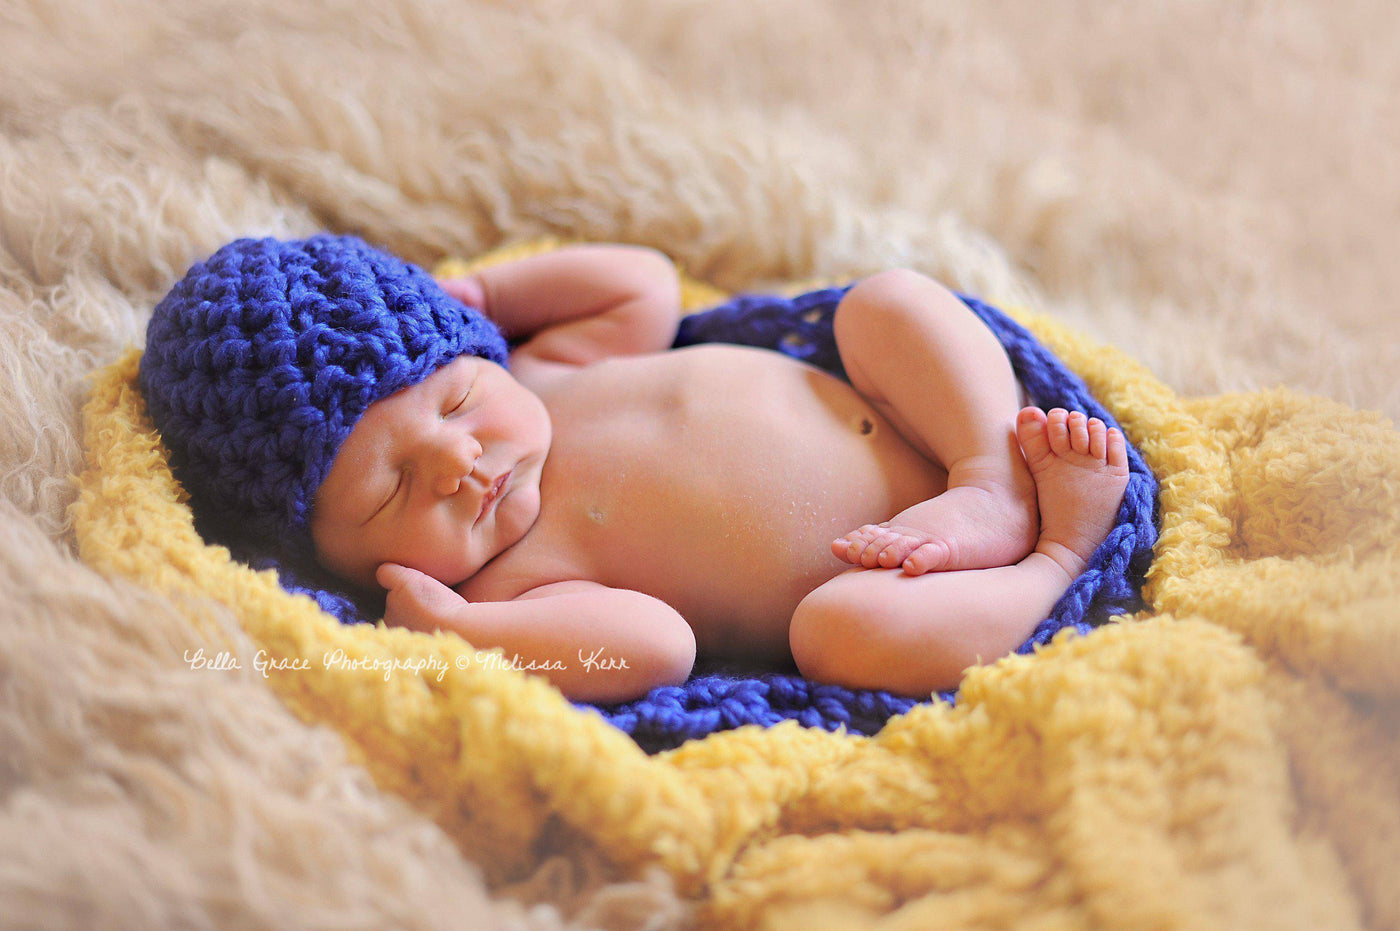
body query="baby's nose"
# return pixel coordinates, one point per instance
(453, 460)
(448, 483)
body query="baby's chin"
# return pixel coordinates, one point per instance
(511, 519)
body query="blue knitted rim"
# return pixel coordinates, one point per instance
(723, 696)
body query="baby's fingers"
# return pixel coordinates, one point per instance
(467, 290)
(415, 600)
(391, 576)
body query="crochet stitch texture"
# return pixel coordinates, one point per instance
(263, 357)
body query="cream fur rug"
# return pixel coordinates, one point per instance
(1211, 188)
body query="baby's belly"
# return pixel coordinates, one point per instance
(715, 479)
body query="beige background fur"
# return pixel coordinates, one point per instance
(1211, 187)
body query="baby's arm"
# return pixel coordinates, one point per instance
(581, 303)
(614, 644)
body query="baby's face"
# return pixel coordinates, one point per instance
(439, 477)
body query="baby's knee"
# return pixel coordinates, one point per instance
(894, 284)
(877, 629)
(834, 637)
(901, 306)
(889, 291)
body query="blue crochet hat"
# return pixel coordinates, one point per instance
(260, 361)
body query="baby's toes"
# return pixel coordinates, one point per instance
(850, 547)
(1057, 431)
(870, 556)
(896, 551)
(1098, 438)
(1031, 432)
(1117, 450)
(1079, 432)
(926, 557)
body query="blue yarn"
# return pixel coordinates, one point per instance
(801, 327)
(262, 358)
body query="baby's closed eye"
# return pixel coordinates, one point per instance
(398, 484)
(461, 402)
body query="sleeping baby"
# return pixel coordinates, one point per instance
(603, 507)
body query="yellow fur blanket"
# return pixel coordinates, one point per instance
(1229, 757)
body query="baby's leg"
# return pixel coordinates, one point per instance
(935, 371)
(917, 634)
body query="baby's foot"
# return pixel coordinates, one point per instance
(1081, 470)
(991, 521)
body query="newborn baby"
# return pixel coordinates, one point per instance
(603, 507)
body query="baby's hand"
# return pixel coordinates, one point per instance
(889, 546)
(417, 601)
(467, 290)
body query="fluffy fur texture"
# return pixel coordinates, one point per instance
(1206, 189)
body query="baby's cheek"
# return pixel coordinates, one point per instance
(437, 551)
(336, 552)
